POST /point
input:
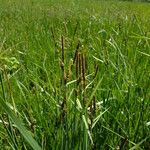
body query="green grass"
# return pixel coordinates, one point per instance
(59, 59)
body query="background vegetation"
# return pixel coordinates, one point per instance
(74, 74)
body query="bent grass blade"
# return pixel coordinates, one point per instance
(25, 133)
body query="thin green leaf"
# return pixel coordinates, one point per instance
(25, 133)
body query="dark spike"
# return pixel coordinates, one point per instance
(76, 52)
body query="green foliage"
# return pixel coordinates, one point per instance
(76, 74)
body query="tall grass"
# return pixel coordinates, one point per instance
(74, 75)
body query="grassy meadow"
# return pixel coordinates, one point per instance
(74, 75)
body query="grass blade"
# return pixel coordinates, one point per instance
(25, 133)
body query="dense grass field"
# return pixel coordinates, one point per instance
(74, 74)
